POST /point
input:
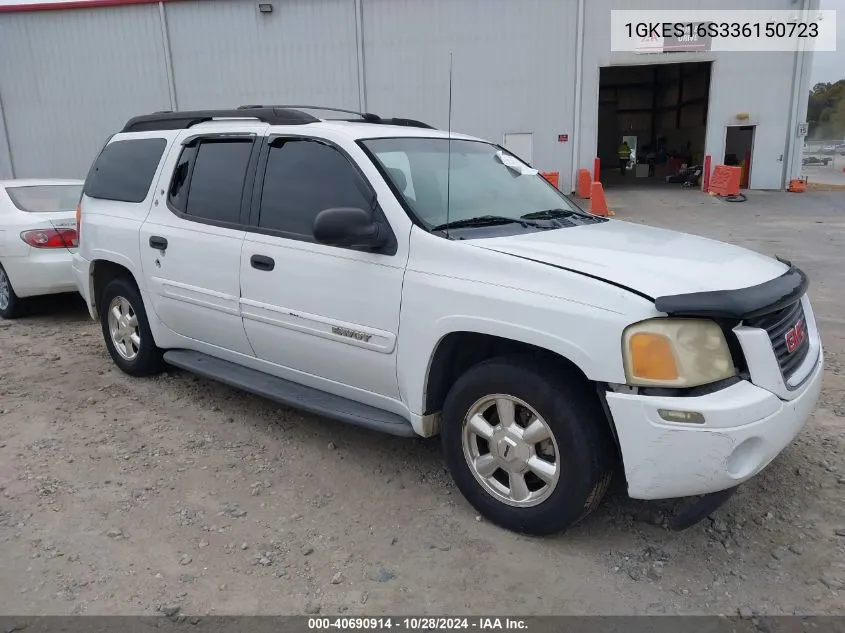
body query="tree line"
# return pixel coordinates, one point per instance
(826, 111)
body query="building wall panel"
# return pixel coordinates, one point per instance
(226, 53)
(513, 68)
(70, 78)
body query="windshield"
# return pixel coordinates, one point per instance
(45, 198)
(485, 181)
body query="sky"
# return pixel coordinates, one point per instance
(831, 66)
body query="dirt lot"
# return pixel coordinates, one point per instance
(126, 496)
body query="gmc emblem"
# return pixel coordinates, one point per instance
(795, 336)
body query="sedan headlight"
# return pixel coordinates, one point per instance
(675, 353)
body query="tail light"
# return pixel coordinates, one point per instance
(78, 220)
(51, 238)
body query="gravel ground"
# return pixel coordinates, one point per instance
(178, 495)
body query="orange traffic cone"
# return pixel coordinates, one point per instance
(584, 183)
(598, 205)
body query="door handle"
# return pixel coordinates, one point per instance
(158, 243)
(262, 262)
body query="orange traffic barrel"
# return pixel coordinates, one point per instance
(598, 205)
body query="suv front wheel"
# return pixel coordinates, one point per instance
(126, 329)
(527, 444)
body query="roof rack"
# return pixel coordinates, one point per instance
(273, 115)
(404, 123)
(366, 117)
(170, 120)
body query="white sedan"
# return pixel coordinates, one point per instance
(37, 239)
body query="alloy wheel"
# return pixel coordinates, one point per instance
(511, 450)
(5, 290)
(123, 328)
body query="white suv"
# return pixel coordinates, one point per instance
(390, 275)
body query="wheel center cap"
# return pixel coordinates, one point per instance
(511, 450)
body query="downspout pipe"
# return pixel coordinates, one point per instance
(579, 97)
(790, 161)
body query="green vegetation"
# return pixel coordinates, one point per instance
(826, 110)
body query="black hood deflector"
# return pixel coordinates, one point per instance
(741, 303)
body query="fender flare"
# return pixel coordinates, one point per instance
(415, 384)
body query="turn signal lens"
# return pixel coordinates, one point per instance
(665, 352)
(652, 357)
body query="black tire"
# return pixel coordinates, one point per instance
(14, 305)
(571, 410)
(148, 359)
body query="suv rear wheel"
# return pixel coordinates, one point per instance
(527, 444)
(126, 329)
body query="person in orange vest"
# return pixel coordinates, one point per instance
(624, 153)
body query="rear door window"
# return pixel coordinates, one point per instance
(208, 180)
(45, 198)
(124, 170)
(217, 181)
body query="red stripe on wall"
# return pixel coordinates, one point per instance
(77, 4)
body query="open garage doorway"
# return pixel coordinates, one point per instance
(739, 145)
(660, 111)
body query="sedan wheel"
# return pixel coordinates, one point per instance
(5, 291)
(10, 304)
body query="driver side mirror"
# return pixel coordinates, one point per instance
(347, 226)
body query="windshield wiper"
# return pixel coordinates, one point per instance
(481, 220)
(550, 214)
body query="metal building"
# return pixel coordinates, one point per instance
(535, 75)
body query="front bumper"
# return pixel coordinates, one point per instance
(745, 428)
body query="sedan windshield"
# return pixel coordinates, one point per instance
(485, 185)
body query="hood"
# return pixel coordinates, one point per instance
(652, 261)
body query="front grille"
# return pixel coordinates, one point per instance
(776, 325)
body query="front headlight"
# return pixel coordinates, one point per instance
(675, 353)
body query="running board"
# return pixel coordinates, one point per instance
(290, 393)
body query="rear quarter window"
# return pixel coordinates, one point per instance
(124, 170)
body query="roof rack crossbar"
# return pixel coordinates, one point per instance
(179, 120)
